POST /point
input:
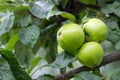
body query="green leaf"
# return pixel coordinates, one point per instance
(51, 51)
(22, 16)
(6, 7)
(57, 2)
(5, 72)
(41, 8)
(45, 77)
(16, 69)
(110, 68)
(115, 75)
(28, 36)
(88, 1)
(116, 8)
(6, 23)
(112, 8)
(83, 17)
(25, 20)
(112, 24)
(46, 9)
(114, 31)
(4, 38)
(3, 1)
(53, 12)
(56, 12)
(85, 75)
(107, 9)
(68, 16)
(63, 60)
(117, 45)
(23, 54)
(63, 14)
(113, 37)
(33, 64)
(12, 41)
(62, 2)
(103, 2)
(19, 2)
(63, 70)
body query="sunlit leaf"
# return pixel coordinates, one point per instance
(6, 7)
(68, 16)
(40, 8)
(11, 43)
(3, 1)
(63, 14)
(6, 23)
(33, 64)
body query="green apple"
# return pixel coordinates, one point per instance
(88, 1)
(59, 49)
(90, 54)
(70, 37)
(95, 29)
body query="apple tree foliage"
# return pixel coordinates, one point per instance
(28, 46)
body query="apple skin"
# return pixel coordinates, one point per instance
(95, 29)
(70, 37)
(88, 1)
(59, 49)
(90, 54)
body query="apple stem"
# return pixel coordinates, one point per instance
(59, 33)
(96, 71)
(63, 70)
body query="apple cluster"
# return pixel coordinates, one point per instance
(83, 42)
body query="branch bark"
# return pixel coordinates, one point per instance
(106, 60)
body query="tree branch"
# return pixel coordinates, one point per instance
(106, 60)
